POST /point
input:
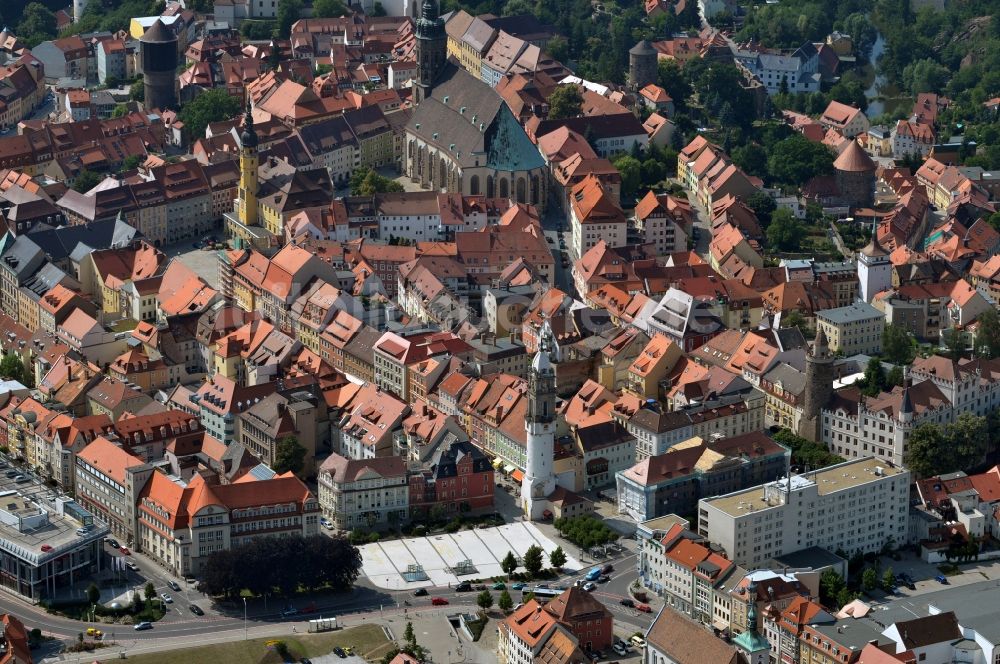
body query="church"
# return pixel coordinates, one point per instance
(461, 136)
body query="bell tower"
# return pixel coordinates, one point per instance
(249, 161)
(431, 49)
(539, 479)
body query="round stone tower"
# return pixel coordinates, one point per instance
(819, 388)
(158, 47)
(855, 174)
(641, 65)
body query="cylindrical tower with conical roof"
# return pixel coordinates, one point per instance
(158, 47)
(642, 65)
(855, 175)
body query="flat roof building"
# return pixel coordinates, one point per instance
(855, 506)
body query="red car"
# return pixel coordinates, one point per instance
(125, 551)
(645, 608)
(46, 547)
(438, 601)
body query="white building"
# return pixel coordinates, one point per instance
(854, 329)
(371, 493)
(794, 73)
(856, 506)
(539, 477)
(874, 270)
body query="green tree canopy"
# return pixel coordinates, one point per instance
(86, 180)
(288, 13)
(149, 590)
(93, 592)
(505, 603)
(557, 558)
(37, 24)
(785, 232)
(631, 172)
(752, 158)
(869, 579)
(925, 76)
(533, 561)
(289, 455)
(566, 101)
(509, 563)
(208, 107)
(796, 160)
(762, 204)
(888, 579)
(874, 380)
(485, 600)
(328, 9)
(12, 367)
(830, 585)
(988, 334)
(898, 347)
(366, 182)
(671, 78)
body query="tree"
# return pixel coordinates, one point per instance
(631, 172)
(558, 48)
(485, 600)
(37, 24)
(566, 101)
(752, 158)
(888, 580)
(874, 381)
(533, 559)
(926, 454)
(894, 377)
(288, 13)
(137, 91)
(12, 367)
(785, 233)
(869, 579)
(898, 347)
(671, 78)
(132, 162)
(137, 605)
(408, 634)
(328, 9)
(968, 438)
(210, 106)
(557, 558)
(953, 342)
(149, 590)
(830, 585)
(93, 593)
(378, 10)
(796, 160)
(366, 182)
(86, 180)
(509, 563)
(845, 596)
(289, 455)
(987, 344)
(925, 76)
(762, 204)
(505, 602)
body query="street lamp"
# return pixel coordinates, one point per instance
(244, 618)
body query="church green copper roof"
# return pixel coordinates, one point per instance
(510, 149)
(751, 641)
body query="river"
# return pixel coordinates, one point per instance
(882, 96)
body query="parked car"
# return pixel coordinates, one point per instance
(463, 587)
(941, 578)
(542, 585)
(289, 612)
(21, 479)
(111, 542)
(420, 592)
(339, 652)
(196, 610)
(608, 569)
(604, 579)
(627, 602)
(589, 586)
(173, 586)
(132, 566)
(167, 599)
(499, 585)
(125, 551)
(439, 601)
(11, 473)
(480, 588)
(619, 649)
(638, 641)
(518, 586)
(46, 548)
(645, 608)
(143, 626)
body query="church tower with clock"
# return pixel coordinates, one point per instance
(539, 480)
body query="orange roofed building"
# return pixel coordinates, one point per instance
(180, 526)
(532, 634)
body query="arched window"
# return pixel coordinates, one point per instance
(504, 188)
(474, 185)
(490, 190)
(521, 190)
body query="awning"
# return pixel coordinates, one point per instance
(508, 469)
(518, 476)
(498, 463)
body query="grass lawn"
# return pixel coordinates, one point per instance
(368, 641)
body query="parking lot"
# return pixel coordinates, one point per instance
(203, 262)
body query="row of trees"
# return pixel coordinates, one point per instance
(585, 531)
(806, 453)
(534, 560)
(961, 445)
(282, 565)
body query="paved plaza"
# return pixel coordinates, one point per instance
(445, 559)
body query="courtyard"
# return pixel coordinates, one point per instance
(440, 560)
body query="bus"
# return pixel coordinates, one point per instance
(543, 595)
